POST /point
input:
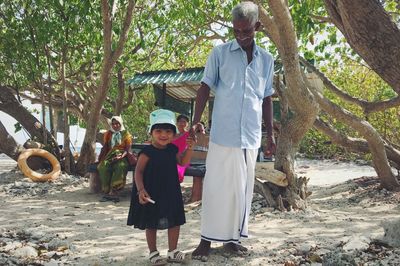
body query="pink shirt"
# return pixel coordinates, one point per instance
(180, 142)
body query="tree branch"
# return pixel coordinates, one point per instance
(8, 145)
(269, 25)
(321, 19)
(124, 31)
(107, 28)
(354, 144)
(368, 107)
(375, 142)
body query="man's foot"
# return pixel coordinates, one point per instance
(202, 251)
(236, 249)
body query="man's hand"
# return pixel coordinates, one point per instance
(192, 131)
(269, 147)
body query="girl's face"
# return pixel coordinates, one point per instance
(182, 124)
(162, 137)
(115, 125)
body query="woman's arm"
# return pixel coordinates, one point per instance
(128, 145)
(106, 146)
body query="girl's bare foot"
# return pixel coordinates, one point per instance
(202, 251)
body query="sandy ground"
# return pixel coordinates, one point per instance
(62, 223)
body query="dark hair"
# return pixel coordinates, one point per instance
(182, 117)
(112, 120)
(163, 126)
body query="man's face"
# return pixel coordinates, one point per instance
(244, 32)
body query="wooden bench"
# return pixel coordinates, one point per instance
(195, 169)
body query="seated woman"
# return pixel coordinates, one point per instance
(113, 165)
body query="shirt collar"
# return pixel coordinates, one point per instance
(235, 46)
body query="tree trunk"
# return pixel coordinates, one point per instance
(53, 131)
(10, 105)
(370, 31)
(121, 92)
(44, 126)
(375, 142)
(285, 158)
(87, 154)
(356, 144)
(302, 104)
(8, 145)
(67, 151)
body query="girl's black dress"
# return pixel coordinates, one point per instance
(160, 180)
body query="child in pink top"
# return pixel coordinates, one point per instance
(182, 122)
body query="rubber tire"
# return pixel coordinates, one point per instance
(35, 176)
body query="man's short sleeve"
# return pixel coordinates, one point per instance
(211, 70)
(269, 90)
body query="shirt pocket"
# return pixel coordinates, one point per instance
(256, 83)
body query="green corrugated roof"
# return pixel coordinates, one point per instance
(167, 76)
(181, 85)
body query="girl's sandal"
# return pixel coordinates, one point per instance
(176, 256)
(156, 259)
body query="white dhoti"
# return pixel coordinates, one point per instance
(227, 193)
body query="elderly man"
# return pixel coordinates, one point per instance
(240, 73)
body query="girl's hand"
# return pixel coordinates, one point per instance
(193, 129)
(143, 197)
(190, 143)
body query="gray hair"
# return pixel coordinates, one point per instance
(247, 11)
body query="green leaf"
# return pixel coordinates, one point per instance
(17, 127)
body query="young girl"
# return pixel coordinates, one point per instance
(156, 201)
(182, 122)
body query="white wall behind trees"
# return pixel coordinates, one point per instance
(76, 133)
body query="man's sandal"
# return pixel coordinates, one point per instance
(156, 259)
(176, 256)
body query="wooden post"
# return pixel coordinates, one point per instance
(164, 95)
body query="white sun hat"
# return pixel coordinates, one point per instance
(162, 116)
